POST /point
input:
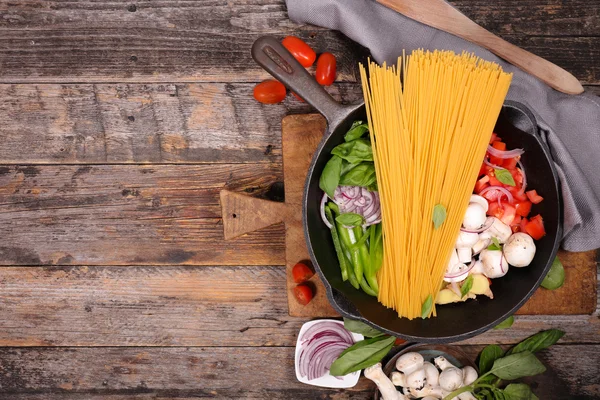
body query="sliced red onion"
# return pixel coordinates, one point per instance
(504, 154)
(322, 344)
(454, 287)
(501, 257)
(457, 274)
(522, 170)
(484, 227)
(504, 191)
(359, 200)
(492, 165)
(323, 217)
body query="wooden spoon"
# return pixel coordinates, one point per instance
(441, 15)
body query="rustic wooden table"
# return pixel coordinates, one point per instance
(120, 122)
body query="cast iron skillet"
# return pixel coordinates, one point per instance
(455, 321)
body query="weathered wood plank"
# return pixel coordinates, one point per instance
(155, 123)
(127, 214)
(239, 372)
(164, 41)
(182, 306)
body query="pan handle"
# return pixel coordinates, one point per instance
(270, 54)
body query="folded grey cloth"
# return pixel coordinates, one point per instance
(570, 125)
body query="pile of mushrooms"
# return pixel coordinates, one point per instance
(471, 255)
(420, 379)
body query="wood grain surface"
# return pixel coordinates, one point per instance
(120, 123)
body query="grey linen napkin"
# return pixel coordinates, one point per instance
(570, 125)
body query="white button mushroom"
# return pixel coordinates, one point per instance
(442, 363)
(464, 242)
(430, 398)
(435, 392)
(451, 378)
(494, 263)
(409, 362)
(469, 375)
(497, 229)
(416, 379)
(467, 396)
(398, 378)
(385, 386)
(481, 244)
(477, 268)
(457, 273)
(519, 249)
(432, 374)
(474, 217)
(480, 200)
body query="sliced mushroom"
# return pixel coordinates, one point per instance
(498, 229)
(464, 243)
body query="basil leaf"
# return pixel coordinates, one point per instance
(484, 394)
(466, 286)
(495, 245)
(487, 357)
(538, 342)
(330, 177)
(439, 215)
(355, 151)
(426, 307)
(346, 166)
(507, 323)
(498, 394)
(373, 187)
(517, 366)
(555, 277)
(361, 175)
(504, 176)
(363, 343)
(533, 397)
(517, 391)
(356, 131)
(350, 219)
(360, 356)
(360, 327)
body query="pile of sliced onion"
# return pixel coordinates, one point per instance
(359, 200)
(321, 345)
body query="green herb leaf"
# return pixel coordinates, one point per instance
(504, 176)
(361, 175)
(360, 356)
(360, 327)
(350, 219)
(330, 177)
(517, 366)
(487, 357)
(354, 152)
(484, 394)
(507, 323)
(346, 166)
(498, 394)
(466, 286)
(426, 307)
(356, 131)
(555, 277)
(517, 391)
(533, 397)
(495, 245)
(373, 187)
(538, 342)
(439, 215)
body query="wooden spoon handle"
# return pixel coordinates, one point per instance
(441, 15)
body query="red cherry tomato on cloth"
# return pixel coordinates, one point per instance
(300, 50)
(269, 92)
(326, 69)
(303, 294)
(301, 273)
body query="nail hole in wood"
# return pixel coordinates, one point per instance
(131, 118)
(234, 215)
(132, 8)
(133, 58)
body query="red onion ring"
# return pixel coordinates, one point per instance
(504, 191)
(488, 222)
(504, 154)
(452, 276)
(323, 216)
(359, 200)
(522, 170)
(492, 165)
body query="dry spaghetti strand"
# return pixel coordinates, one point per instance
(430, 119)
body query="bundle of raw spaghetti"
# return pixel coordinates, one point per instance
(430, 119)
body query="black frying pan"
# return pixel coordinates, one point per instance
(455, 321)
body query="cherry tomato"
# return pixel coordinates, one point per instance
(300, 50)
(301, 273)
(303, 294)
(535, 227)
(269, 92)
(326, 68)
(534, 197)
(523, 208)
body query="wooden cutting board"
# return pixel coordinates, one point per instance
(300, 136)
